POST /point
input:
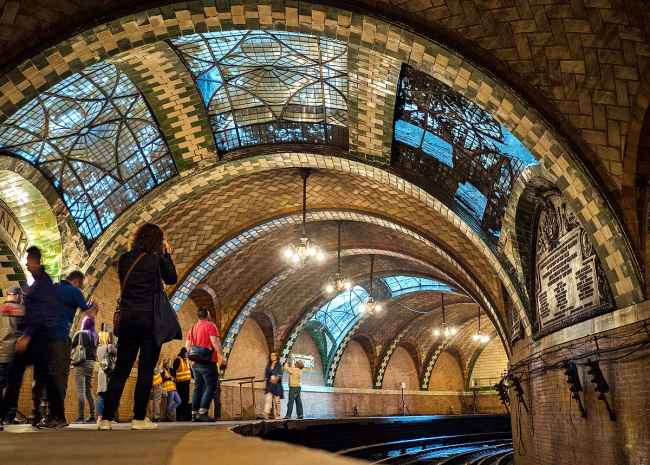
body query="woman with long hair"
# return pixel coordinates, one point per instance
(273, 389)
(140, 271)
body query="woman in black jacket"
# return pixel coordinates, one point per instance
(140, 271)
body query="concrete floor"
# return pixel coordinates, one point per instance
(171, 444)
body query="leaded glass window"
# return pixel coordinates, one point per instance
(94, 137)
(457, 149)
(341, 312)
(400, 285)
(270, 87)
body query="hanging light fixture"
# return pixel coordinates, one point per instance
(478, 336)
(305, 250)
(445, 330)
(338, 282)
(370, 305)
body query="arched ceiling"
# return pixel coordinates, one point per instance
(201, 111)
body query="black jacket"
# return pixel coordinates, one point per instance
(143, 282)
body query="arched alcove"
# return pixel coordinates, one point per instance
(354, 369)
(401, 369)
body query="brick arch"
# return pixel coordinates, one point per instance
(642, 193)
(117, 236)
(375, 36)
(268, 327)
(356, 352)
(252, 302)
(203, 298)
(395, 357)
(39, 213)
(11, 270)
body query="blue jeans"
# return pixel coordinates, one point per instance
(173, 401)
(205, 383)
(100, 403)
(294, 396)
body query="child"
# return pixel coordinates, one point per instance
(295, 374)
(169, 386)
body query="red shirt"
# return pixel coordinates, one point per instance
(200, 335)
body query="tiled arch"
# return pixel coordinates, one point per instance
(117, 235)
(251, 304)
(563, 167)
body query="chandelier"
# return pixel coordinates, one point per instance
(478, 336)
(304, 251)
(445, 330)
(371, 305)
(338, 282)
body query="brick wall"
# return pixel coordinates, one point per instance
(401, 368)
(354, 368)
(492, 361)
(554, 433)
(447, 374)
(305, 345)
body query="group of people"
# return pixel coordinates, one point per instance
(35, 327)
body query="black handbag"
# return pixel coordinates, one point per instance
(199, 354)
(165, 320)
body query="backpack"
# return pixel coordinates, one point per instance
(78, 355)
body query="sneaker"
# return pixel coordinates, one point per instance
(301, 418)
(79, 420)
(204, 418)
(145, 424)
(90, 420)
(52, 424)
(104, 425)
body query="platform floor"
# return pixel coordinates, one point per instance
(171, 444)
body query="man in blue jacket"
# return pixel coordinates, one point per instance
(39, 329)
(71, 299)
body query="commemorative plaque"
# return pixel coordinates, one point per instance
(569, 282)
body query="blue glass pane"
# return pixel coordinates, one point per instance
(460, 151)
(270, 87)
(94, 137)
(400, 285)
(338, 314)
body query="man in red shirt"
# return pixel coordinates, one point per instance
(205, 352)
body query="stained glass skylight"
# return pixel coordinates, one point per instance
(458, 149)
(94, 137)
(340, 313)
(399, 285)
(270, 87)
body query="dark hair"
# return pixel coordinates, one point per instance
(148, 238)
(182, 352)
(202, 313)
(74, 275)
(34, 252)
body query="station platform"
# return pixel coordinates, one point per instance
(171, 444)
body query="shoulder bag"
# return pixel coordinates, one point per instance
(78, 355)
(165, 320)
(116, 314)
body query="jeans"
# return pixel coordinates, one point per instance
(294, 396)
(83, 374)
(173, 401)
(183, 411)
(217, 399)
(100, 403)
(205, 382)
(135, 336)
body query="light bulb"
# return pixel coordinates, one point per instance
(347, 285)
(295, 258)
(485, 339)
(436, 332)
(476, 337)
(320, 256)
(453, 331)
(329, 289)
(288, 253)
(378, 308)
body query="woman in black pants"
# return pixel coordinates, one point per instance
(140, 271)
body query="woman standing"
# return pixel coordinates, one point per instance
(140, 271)
(84, 369)
(273, 389)
(106, 355)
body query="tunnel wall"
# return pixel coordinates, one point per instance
(552, 431)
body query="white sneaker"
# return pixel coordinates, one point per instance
(104, 425)
(145, 424)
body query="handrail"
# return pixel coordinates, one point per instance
(242, 381)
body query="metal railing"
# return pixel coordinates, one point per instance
(244, 382)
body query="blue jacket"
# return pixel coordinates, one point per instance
(71, 299)
(42, 306)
